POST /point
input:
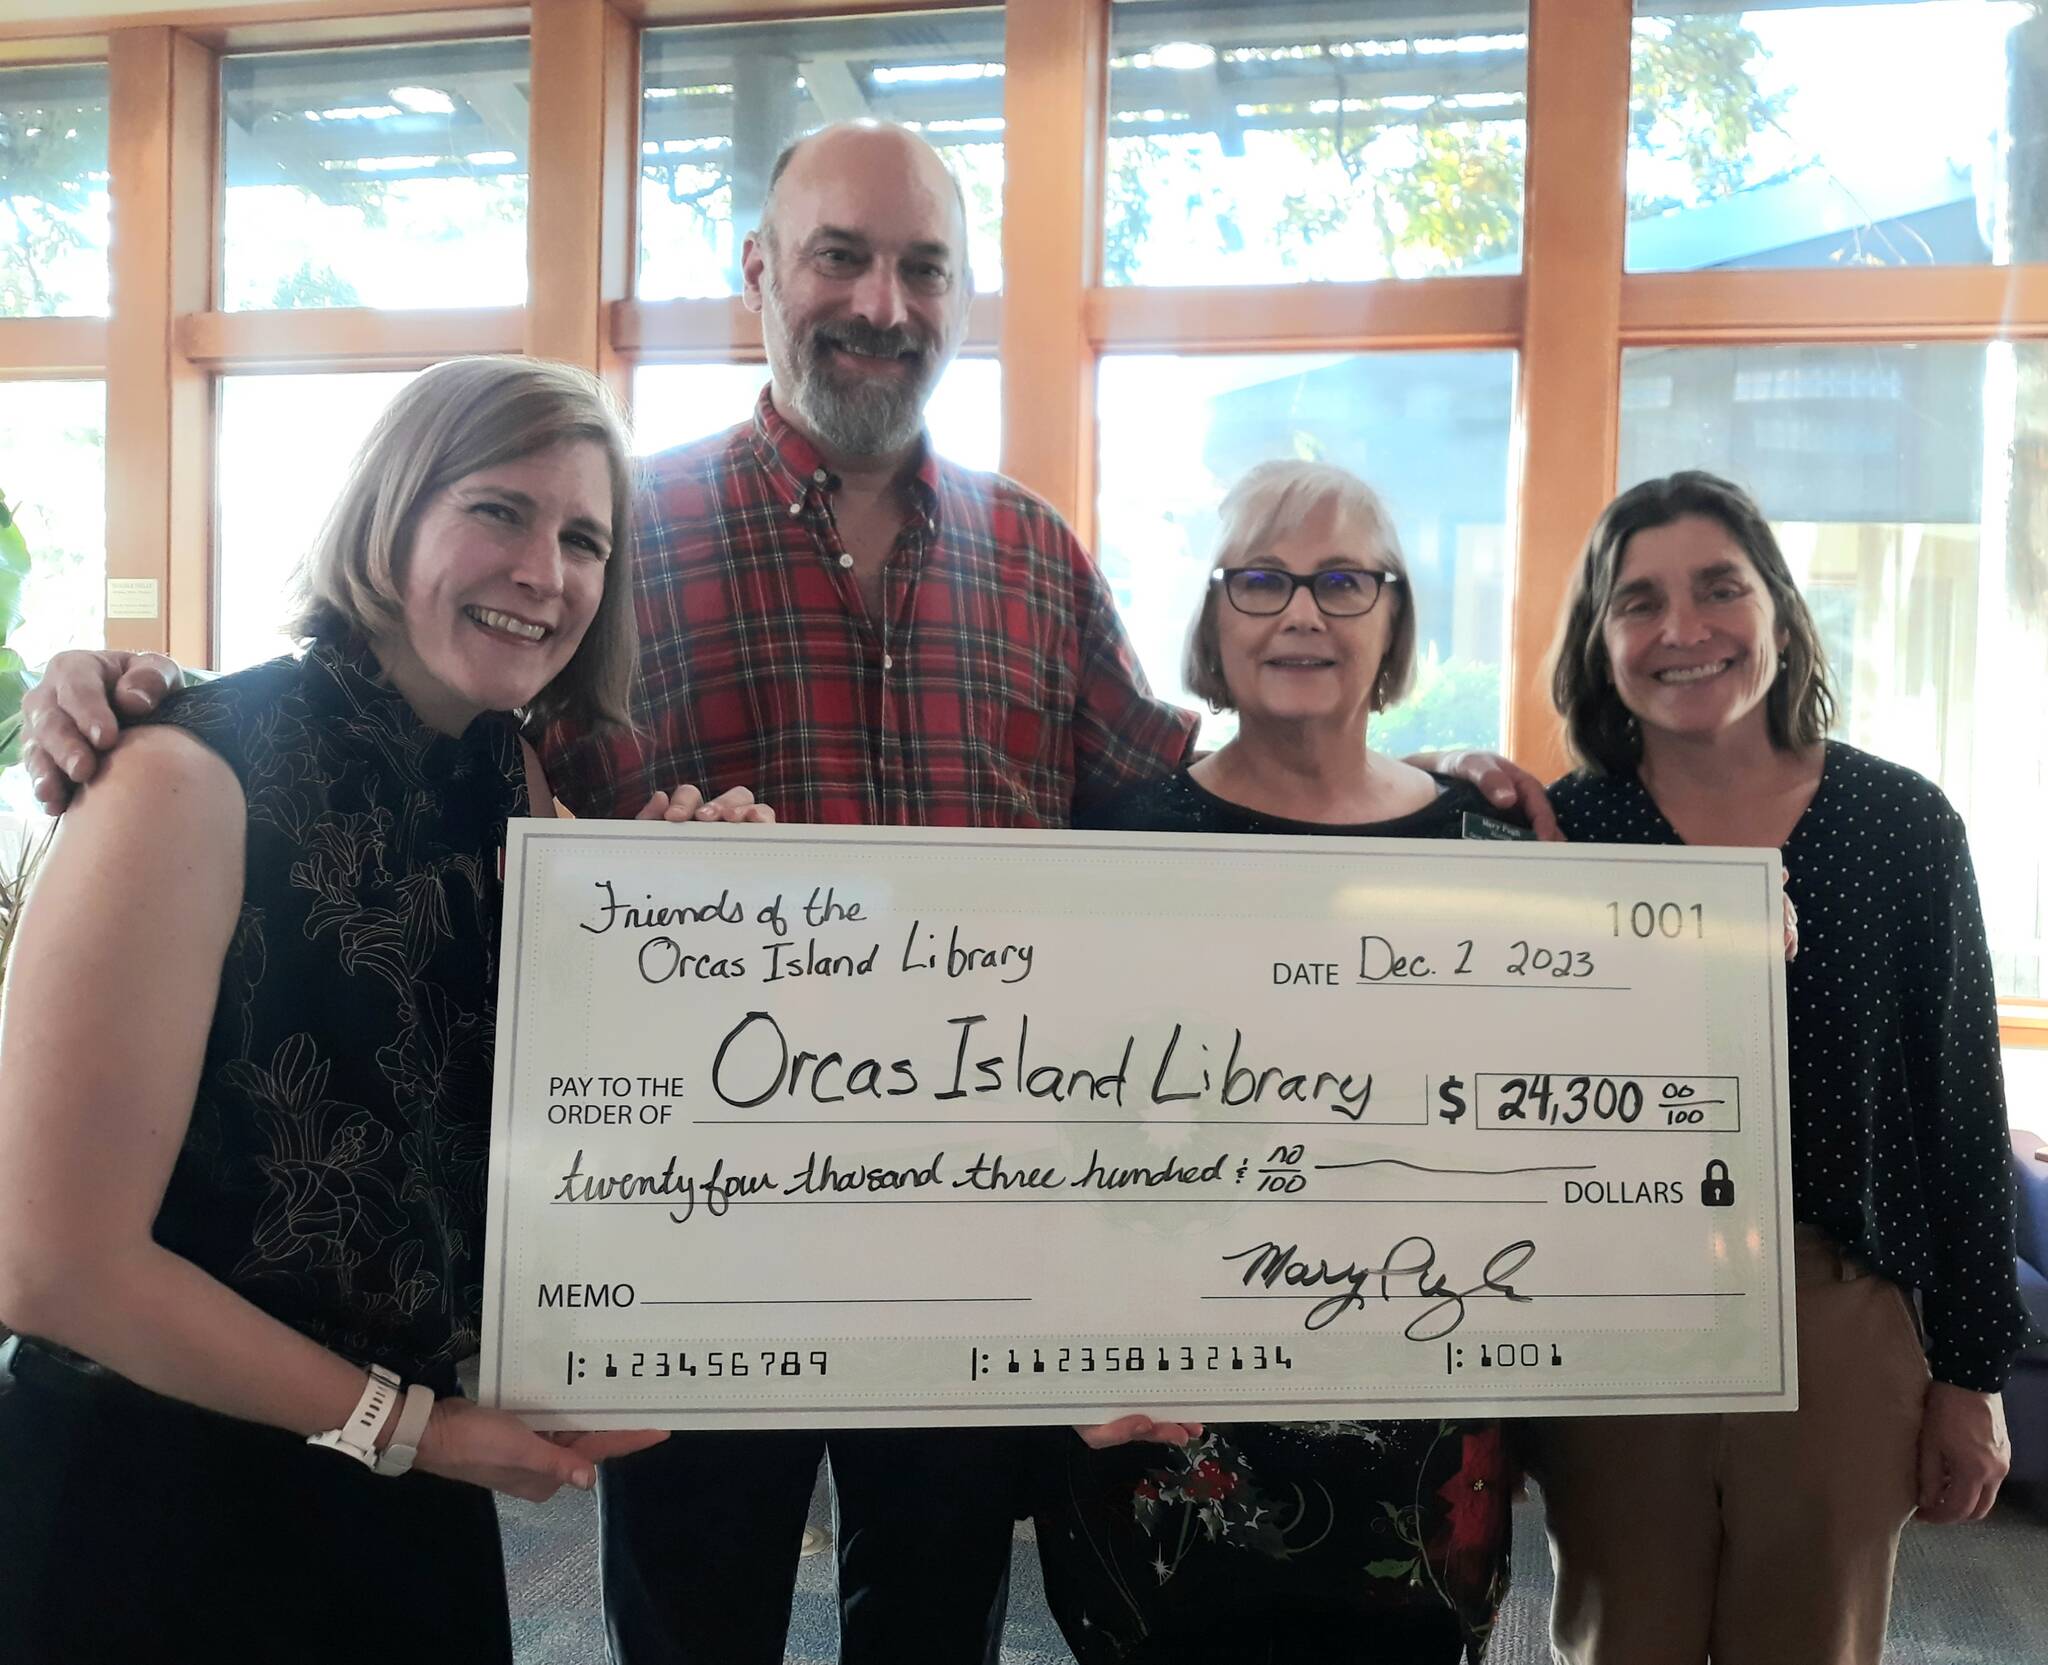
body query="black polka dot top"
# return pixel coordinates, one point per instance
(1900, 1148)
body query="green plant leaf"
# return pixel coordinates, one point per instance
(13, 568)
(1389, 1569)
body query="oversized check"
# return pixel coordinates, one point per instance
(838, 1126)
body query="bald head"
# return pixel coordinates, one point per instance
(892, 152)
(859, 272)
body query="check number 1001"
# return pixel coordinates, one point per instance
(1647, 920)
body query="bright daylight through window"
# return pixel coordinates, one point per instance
(388, 177)
(53, 191)
(1428, 430)
(718, 103)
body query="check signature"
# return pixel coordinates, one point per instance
(1407, 1271)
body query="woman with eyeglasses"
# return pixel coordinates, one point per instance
(1290, 1543)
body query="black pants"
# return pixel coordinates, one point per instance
(700, 1538)
(137, 1529)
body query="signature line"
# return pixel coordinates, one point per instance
(1518, 1294)
(1424, 1168)
(849, 1301)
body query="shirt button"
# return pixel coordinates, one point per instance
(797, 507)
(846, 560)
(888, 664)
(820, 475)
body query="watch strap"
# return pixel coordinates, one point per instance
(357, 1437)
(397, 1456)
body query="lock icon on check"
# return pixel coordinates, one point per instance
(1717, 1190)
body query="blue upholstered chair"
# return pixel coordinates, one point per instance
(2026, 1394)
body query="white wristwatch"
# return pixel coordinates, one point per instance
(397, 1457)
(357, 1437)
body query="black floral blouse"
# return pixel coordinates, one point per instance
(333, 1173)
(1304, 1541)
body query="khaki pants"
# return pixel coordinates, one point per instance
(1758, 1539)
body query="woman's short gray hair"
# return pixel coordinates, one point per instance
(450, 421)
(1273, 499)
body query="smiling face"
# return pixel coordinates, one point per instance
(1300, 664)
(861, 281)
(1691, 631)
(502, 577)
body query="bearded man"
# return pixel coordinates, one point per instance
(861, 632)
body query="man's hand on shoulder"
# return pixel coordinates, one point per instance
(73, 716)
(1504, 784)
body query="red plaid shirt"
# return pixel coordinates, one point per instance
(997, 688)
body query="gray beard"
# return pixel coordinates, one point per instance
(864, 418)
(870, 419)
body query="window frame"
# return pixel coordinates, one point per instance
(1569, 313)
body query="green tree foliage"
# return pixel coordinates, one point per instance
(1694, 100)
(52, 165)
(1127, 205)
(314, 283)
(1453, 703)
(1432, 180)
(1442, 189)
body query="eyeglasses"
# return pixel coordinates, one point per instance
(1338, 592)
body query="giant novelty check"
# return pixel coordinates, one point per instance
(841, 1126)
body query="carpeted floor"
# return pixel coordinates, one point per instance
(1967, 1595)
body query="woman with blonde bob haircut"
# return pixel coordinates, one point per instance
(1276, 498)
(1307, 629)
(245, 1080)
(1695, 693)
(486, 411)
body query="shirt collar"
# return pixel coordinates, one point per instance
(794, 461)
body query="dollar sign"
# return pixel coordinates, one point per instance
(1451, 1092)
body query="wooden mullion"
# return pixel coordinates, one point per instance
(715, 331)
(1428, 313)
(1863, 303)
(52, 49)
(33, 348)
(2023, 1023)
(1055, 100)
(288, 23)
(582, 176)
(346, 338)
(161, 146)
(703, 331)
(1568, 392)
(294, 24)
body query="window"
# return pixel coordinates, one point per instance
(1835, 135)
(286, 446)
(53, 473)
(676, 403)
(1429, 431)
(718, 103)
(1257, 144)
(389, 177)
(53, 191)
(1920, 550)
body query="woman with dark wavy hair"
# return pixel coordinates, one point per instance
(1695, 695)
